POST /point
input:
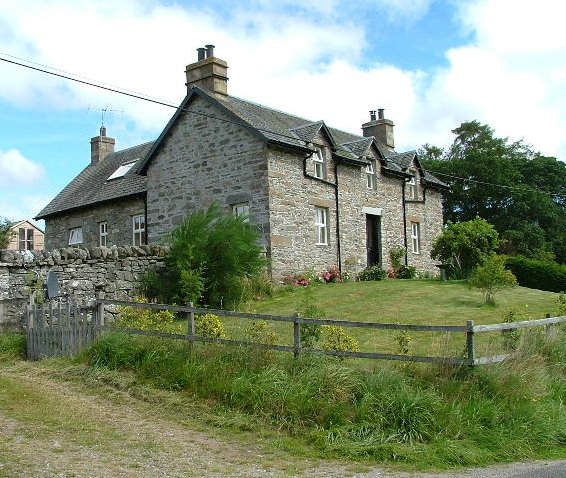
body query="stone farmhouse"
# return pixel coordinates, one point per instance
(320, 197)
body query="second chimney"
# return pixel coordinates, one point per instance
(101, 146)
(208, 72)
(380, 128)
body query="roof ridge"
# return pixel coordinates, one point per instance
(132, 147)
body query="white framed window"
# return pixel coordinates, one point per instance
(318, 162)
(413, 194)
(241, 209)
(103, 234)
(25, 239)
(321, 225)
(138, 228)
(76, 236)
(370, 176)
(416, 237)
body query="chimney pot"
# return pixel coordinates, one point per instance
(103, 130)
(380, 128)
(372, 115)
(209, 72)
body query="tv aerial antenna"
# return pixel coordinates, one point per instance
(104, 111)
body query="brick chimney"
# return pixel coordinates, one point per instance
(380, 128)
(208, 72)
(101, 146)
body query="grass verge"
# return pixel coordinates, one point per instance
(426, 416)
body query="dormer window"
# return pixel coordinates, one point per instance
(318, 162)
(370, 176)
(122, 170)
(413, 193)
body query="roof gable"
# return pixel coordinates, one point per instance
(28, 224)
(310, 131)
(195, 92)
(91, 186)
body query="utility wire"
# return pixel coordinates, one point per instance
(141, 96)
(525, 189)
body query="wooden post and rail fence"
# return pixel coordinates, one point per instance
(66, 330)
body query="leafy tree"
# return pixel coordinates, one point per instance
(492, 277)
(211, 254)
(5, 232)
(465, 245)
(519, 191)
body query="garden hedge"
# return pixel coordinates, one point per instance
(537, 274)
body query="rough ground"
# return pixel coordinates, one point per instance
(51, 427)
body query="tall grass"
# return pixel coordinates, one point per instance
(430, 415)
(12, 346)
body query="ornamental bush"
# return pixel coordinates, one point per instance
(211, 255)
(372, 273)
(336, 338)
(463, 246)
(492, 277)
(144, 319)
(211, 326)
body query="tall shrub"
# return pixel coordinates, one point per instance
(463, 246)
(492, 277)
(211, 253)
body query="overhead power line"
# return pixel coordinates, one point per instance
(132, 94)
(477, 181)
(144, 97)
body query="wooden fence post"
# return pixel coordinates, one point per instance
(550, 328)
(471, 343)
(191, 329)
(297, 335)
(100, 314)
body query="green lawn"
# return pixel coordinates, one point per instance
(424, 302)
(404, 302)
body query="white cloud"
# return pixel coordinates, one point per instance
(510, 76)
(17, 207)
(16, 170)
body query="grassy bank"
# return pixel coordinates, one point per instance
(423, 415)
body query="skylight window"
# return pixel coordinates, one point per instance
(122, 170)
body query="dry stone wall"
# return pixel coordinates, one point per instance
(84, 274)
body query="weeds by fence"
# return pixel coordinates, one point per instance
(470, 330)
(65, 329)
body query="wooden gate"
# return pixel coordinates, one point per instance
(60, 329)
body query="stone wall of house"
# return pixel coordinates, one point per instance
(293, 198)
(84, 273)
(427, 212)
(357, 201)
(206, 158)
(118, 216)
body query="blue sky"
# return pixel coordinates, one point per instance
(430, 64)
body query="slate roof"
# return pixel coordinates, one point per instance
(91, 187)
